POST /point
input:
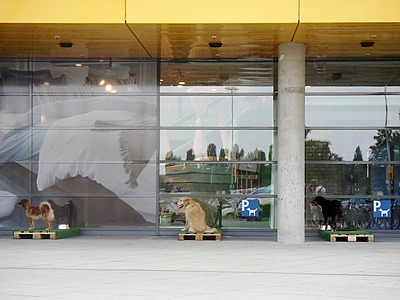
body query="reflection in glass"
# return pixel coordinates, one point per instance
(342, 111)
(355, 179)
(253, 111)
(353, 145)
(196, 178)
(245, 145)
(195, 111)
(393, 110)
(216, 111)
(216, 178)
(79, 138)
(338, 145)
(171, 214)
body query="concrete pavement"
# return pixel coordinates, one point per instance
(88, 267)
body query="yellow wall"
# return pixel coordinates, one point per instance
(204, 11)
(348, 11)
(212, 11)
(62, 11)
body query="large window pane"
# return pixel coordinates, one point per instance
(253, 111)
(249, 145)
(86, 134)
(354, 179)
(196, 111)
(231, 209)
(393, 110)
(342, 111)
(337, 145)
(216, 178)
(353, 145)
(216, 111)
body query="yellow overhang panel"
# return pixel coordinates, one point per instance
(211, 11)
(350, 11)
(62, 11)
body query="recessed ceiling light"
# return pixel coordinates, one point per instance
(366, 44)
(214, 43)
(66, 44)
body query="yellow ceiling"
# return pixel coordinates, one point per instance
(178, 29)
(174, 30)
(192, 40)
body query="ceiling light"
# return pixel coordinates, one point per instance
(66, 44)
(214, 43)
(366, 44)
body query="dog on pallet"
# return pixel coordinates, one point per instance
(331, 210)
(195, 216)
(34, 213)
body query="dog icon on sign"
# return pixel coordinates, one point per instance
(382, 209)
(250, 208)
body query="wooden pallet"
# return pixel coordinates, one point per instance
(200, 236)
(347, 236)
(42, 234)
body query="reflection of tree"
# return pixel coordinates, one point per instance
(212, 152)
(356, 176)
(189, 154)
(223, 154)
(170, 156)
(236, 154)
(386, 139)
(320, 150)
(386, 148)
(358, 154)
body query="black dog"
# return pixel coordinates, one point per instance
(331, 209)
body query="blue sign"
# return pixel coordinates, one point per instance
(250, 208)
(382, 209)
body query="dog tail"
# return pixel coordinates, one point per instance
(45, 208)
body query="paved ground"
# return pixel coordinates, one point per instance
(87, 267)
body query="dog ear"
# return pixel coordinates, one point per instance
(185, 200)
(22, 202)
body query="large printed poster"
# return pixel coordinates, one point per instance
(85, 135)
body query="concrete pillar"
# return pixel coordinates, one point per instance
(291, 136)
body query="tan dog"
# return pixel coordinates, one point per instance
(34, 213)
(195, 216)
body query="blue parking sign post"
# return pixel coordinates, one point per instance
(250, 208)
(382, 209)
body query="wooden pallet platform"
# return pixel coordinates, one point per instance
(43, 234)
(200, 236)
(347, 236)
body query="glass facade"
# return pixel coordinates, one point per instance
(352, 150)
(123, 144)
(216, 145)
(84, 133)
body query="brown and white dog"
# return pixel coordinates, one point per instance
(195, 216)
(34, 213)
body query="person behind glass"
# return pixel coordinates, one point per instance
(310, 188)
(320, 189)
